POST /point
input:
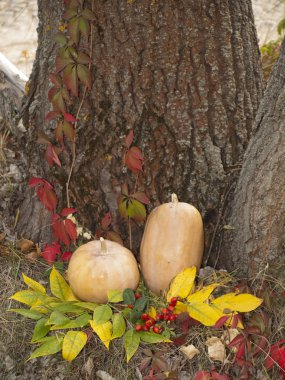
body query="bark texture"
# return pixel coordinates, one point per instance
(185, 75)
(258, 209)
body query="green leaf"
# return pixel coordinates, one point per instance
(182, 284)
(136, 210)
(40, 330)
(60, 39)
(73, 343)
(140, 303)
(135, 315)
(88, 14)
(87, 305)
(57, 318)
(58, 102)
(68, 130)
(68, 307)
(32, 314)
(28, 297)
(73, 29)
(34, 285)
(59, 286)
(281, 26)
(119, 326)
(79, 322)
(51, 346)
(70, 78)
(150, 337)
(84, 27)
(102, 314)
(104, 331)
(115, 296)
(129, 296)
(62, 61)
(131, 343)
(84, 75)
(83, 58)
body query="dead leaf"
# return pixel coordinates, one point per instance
(229, 335)
(189, 351)
(104, 375)
(2, 236)
(114, 236)
(25, 245)
(35, 254)
(89, 366)
(216, 349)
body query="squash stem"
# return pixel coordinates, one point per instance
(104, 249)
(174, 198)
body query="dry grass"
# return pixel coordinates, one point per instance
(16, 332)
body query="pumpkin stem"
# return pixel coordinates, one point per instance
(174, 198)
(103, 245)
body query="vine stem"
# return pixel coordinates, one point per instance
(130, 233)
(76, 122)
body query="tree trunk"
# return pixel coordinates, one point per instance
(185, 75)
(258, 210)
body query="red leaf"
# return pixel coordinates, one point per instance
(51, 156)
(202, 375)
(141, 196)
(106, 220)
(132, 161)
(241, 351)
(67, 211)
(35, 181)
(58, 102)
(129, 139)
(55, 79)
(60, 232)
(52, 115)
(50, 252)
(236, 341)
(49, 199)
(84, 75)
(70, 13)
(66, 256)
(69, 117)
(180, 340)
(51, 94)
(70, 79)
(70, 228)
(219, 376)
(220, 322)
(137, 153)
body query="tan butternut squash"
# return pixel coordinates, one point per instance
(100, 266)
(173, 240)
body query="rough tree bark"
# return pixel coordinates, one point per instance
(258, 210)
(185, 75)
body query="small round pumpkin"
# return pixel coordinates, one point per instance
(173, 240)
(100, 266)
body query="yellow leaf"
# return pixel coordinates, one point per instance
(203, 294)
(59, 286)
(28, 297)
(104, 331)
(152, 312)
(204, 313)
(180, 308)
(229, 322)
(236, 302)
(182, 284)
(36, 286)
(131, 343)
(73, 343)
(115, 296)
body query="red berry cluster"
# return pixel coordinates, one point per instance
(165, 315)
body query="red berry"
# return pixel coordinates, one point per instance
(139, 327)
(173, 301)
(137, 295)
(164, 310)
(156, 329)
(145, 317)
(145, 328)
(172, 318)
(170, 308)
(130, 306)
(159, 317)
(166, 317)
(150, 322)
